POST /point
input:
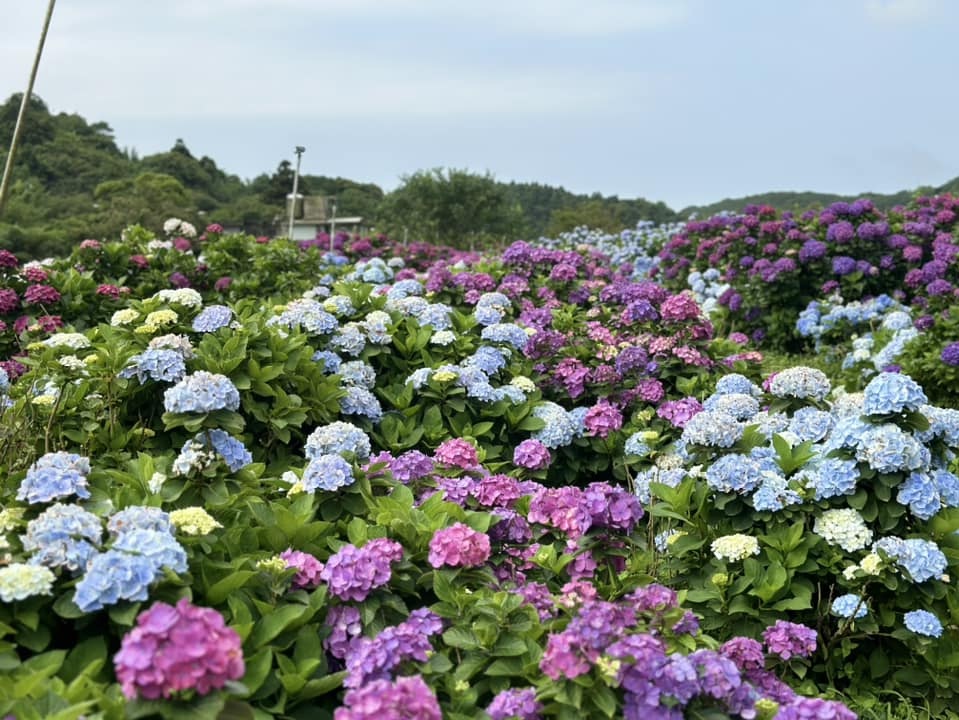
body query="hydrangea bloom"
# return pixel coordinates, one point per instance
(712, 429)
(923, 622)
(338, 438)
(409, 698)
(352, 573)
(113, 576)
(922, 559)
(803, 383)
(193, 521)
(160, 548)
(18, 581)
(515, 704)
(890, 393)
(345, 624)
(212, 318)
(456, 452)
(360, 401)
(507, 333)
(735, 547)
(602, 419)
(830, 477)
(845, 605)
(459, 546)
(307, 567)
(327, 472)
(559, 429)
(55, 475)
(157, 364)
(202, 392)
(843, 527)
(63, 536)
(375, 658)
(139, 517)
(887, 448)
(736, 384)
(178, 648)
(532, 455)
(787, 640)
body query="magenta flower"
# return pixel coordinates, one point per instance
(140, 261)
(602, 419)
(173, 649)
(41, 295)
(459, 546)
(110, 291)
(409, 698)
(8, 259)
(223, 283)
(787, 639)
(308, 568)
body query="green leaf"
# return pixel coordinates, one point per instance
(222, 589)
(275, 623)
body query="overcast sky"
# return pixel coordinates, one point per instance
(685, 101)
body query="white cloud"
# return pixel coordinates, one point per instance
(900, 11)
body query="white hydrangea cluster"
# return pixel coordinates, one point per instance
(185, 297)
(193, 521)
(735, 547)
(19, 581)
(125, 316)
(843, 527)
(72, 340)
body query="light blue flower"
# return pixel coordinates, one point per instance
(63, 536)
(921, 494)
(158, 364)
(160, 548)
(810, 424)
(560, 430)
(735, 383)
(887, 448)
(358, 373)
(830, 477)
(202, 392)
(212, 318)
(139, 517)
(360, 401)
(712, 429)
(113, 576)
(803, 383)
(55, 475)
(404, 289)
(774, 494)
(923, 622)
(233, 451)
(892, 393)
(308, 315)
(338, 438)
(327, 472)
(488, 359)
(739, 405)
(331, 361)
(349, 339)
(437, 315)
(922, 559)
(636, 445)
(845, 605)
(508, 333)
(734, 474)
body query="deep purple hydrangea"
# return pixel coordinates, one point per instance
(950, 354)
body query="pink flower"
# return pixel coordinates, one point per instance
(308, 568)
(140, 261)
(41, 295)
(457, 452)
(35, 274)
(532, 455)
(111, 291)
(174, 649)
(214, 229)
(602, 419)
(90, 244)
(223, 283)
(459, 546)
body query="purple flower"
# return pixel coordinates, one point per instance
(376, 658)
(532, 455)
(179, 648)
(345, 624)
(179, 280)
(409, 698)
(679, 412)
(456, 452)
(745, 652)
(602, 419)
(411, 465)
(307, 568)
(843, 265)
(950, 354)
(515, 704)
(787, 640)
(352, 573)
(41, 295)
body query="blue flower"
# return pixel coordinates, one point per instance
(948, 486)
(810, 424)
(212, 318)
(113, 576)
(55, 475)
(358, 373)
(160, 548)
(739, 405)
(419, 378)
(349, 339)
(488, 359)
(800, 382)
(921, 494)
(63, 536)
(892, 393)
(437, 315)
(830, 477)
(560, 430)
(331, 361)
(327, 472)
(887, 449)
(162, 365)
(774, 494)
(360, 401)
(635, 445)
(202, 392)
(712, 429)
(509, 333)
(922, 559)
(338, 438)
(491, 308)
(734, 474)
(845, 605)
(233, 451)
(669, 477)
(405, 288)
(308, 315)
(735, 383)
(139, 517)
(376, 324)
(4, 382)
(923, 622)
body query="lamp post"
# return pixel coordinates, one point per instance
(24, 101)
(296, 181)
(332, 221)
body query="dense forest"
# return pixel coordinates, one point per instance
(72, 180)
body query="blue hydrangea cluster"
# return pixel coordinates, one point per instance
(374, 270)
(356, 373)
(892, 393)
(707, 288)
(803, 383)
(305, 314)
(360, 401)
(4, 382)
(488, 359)
(212, 318)
(670, 477)
(922, 559)
(712, 429)
(233, 451)
(139, 517)
(829, 477)
(736, 384)
(376, 325)
(64, 536)
(887, 448)
(820, 317)
(560, 429)
(202, 392)
(923, 622)
(491, 308)
(849, 605)
(810, 424)
(159, 364)
(404, 289)
(331, 361)
(507, 333)
(55, 475)
(735, 473)
(636, 445)
(774, 494)
(739, 405)
(338, 438)
(349, 339)
(437, 315)
(327, 472)
(339, 305)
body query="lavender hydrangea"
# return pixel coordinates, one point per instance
(352, 573)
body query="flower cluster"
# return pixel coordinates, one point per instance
(55, 475)
(352, 573)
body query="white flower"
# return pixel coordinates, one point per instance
(843, 527)
(124, 317)
(74, 341)
(156, 482)
(735, 547)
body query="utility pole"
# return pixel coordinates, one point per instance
(24, 101)
(296, 182)
(332, 222)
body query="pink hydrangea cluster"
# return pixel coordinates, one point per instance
(41, 295)
(787, 639)
(409, 698)
(179, 648)
(457, 452)
(459, 546)
(307, 567)
(680, 412)
(602, 419)
(679, 308)
(352, 573)
(532, 455)
(561, 508)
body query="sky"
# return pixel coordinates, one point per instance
(684, 101)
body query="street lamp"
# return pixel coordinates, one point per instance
(296, 181)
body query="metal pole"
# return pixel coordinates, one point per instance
(333, 225)
(296, 182)
(24, 101)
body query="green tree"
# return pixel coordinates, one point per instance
(594, 214)
(451, 206)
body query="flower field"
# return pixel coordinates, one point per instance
(252, 478)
